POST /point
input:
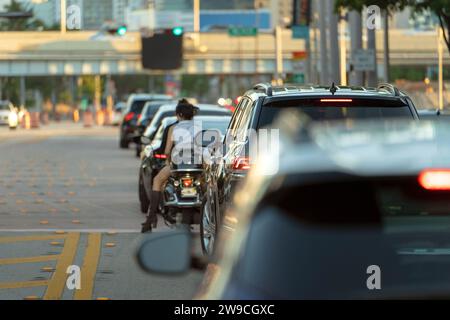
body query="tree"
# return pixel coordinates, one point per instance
(441, 8)
(19, 24)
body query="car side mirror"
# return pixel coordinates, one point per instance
(145, 140)
(438, 112)
(169, 253)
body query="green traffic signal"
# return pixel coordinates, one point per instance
(178, 31)
(121, 31)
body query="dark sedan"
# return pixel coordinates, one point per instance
(131, 114)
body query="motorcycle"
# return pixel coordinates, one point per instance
(184, 192)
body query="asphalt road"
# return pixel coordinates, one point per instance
(68, 196)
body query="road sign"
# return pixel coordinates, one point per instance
(364, 60)
(242, 31)
(299, 55)
(299, 78)
(300, 32)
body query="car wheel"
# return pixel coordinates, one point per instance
(123, 144)
(143, 199)
(208, 225)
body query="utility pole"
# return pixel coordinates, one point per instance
(63, 16)
(196, 23)
(324, 74)
(356, 77)
(334, 43)
(279, 54)
(386, 46)
(343, 50)
(23, 90)
(372, 76)
(441, 68)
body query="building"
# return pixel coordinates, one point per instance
(282, 11)
(119, 10)
(95, 13)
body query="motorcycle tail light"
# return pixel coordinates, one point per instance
(187, 182)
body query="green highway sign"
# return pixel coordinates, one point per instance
(242, 31)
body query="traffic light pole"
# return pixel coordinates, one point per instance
(63, 16)
(196, 23)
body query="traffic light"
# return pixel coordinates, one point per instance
(178, 31)
(116, 29)
(122, 30)
(163, 50)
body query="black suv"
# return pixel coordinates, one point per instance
(260, 107)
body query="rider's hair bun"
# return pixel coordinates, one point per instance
(185, 109)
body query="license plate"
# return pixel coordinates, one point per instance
(188, 192)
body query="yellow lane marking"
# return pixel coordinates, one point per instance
(58, 281)
(28, 259)
(89, 268)
(31, 238)
(25, 284)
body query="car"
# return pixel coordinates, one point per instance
(131, 114)
(118, 113)
(153, 158)
(147, 114)
(358, 211)
(258, 109)
(8, 115)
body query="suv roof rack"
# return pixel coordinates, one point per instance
(389, 87)
(266, 87)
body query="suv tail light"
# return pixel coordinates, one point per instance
(336, 100)
(129, 116)
(435, 179)
(241, 163)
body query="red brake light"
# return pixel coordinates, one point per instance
(129, 116)
(435, 179)
(187, 182)
(336, 100)
(160, 156)
(241, 163)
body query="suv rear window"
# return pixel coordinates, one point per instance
(320, 111)
(410, 241)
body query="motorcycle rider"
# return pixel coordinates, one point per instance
(183, 132)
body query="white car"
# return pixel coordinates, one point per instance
(8, 115)
(118, 113)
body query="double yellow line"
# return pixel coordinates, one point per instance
(57, 283)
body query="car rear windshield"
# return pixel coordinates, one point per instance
(406, 235)
(320, 111)
(152, 108)
(137, 106)
(4, 106)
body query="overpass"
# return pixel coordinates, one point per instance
(76, 53)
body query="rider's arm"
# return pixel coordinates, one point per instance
(169, 144)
